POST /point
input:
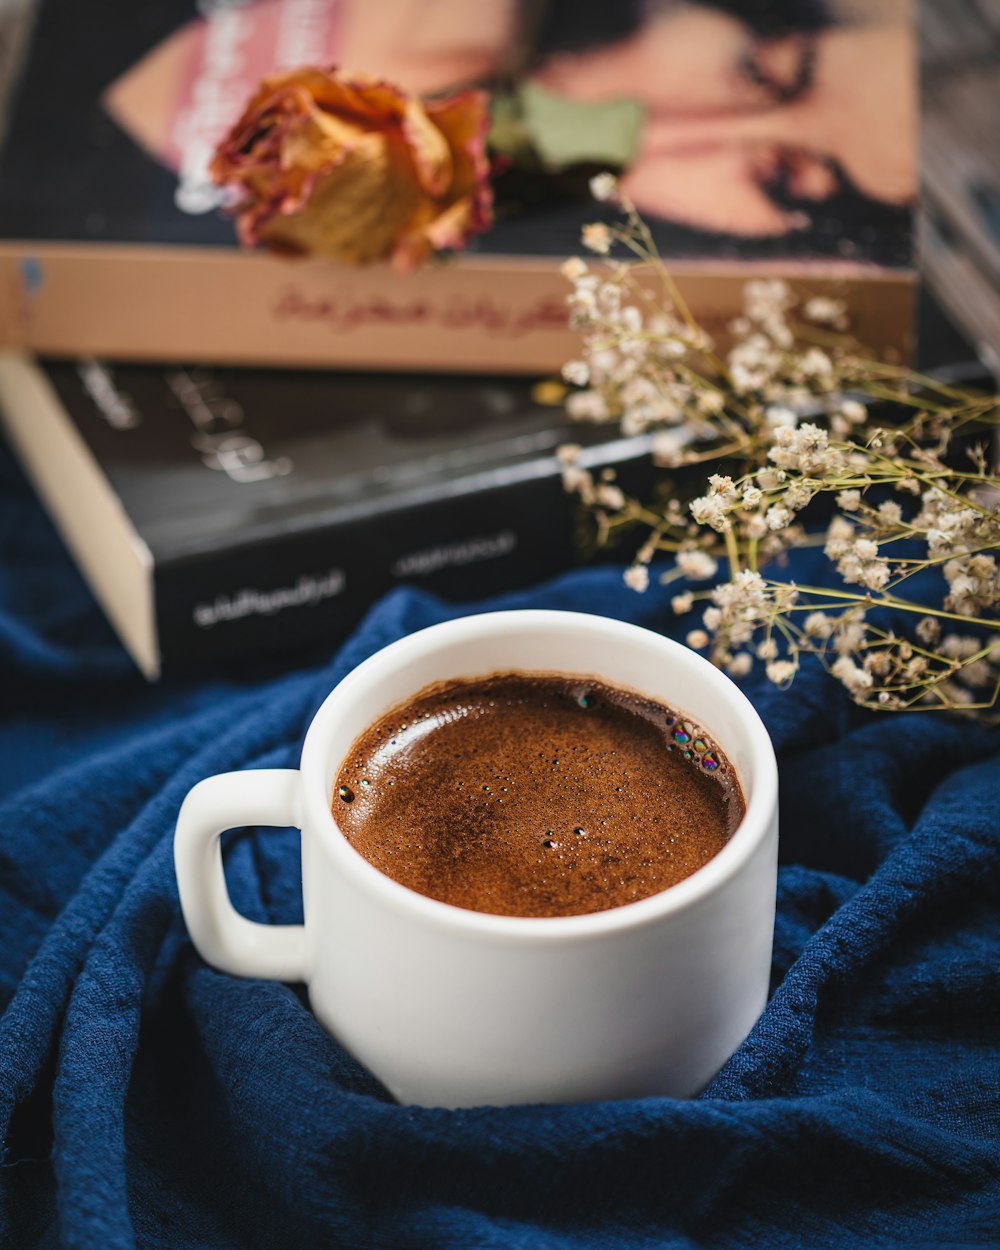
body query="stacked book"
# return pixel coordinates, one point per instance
(243, 450)
(222, 513)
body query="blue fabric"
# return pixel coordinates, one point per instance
(147, 1100)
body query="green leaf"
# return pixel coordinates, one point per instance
(568, 132)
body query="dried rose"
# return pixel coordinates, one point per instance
(356, 169)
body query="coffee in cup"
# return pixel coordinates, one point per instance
(536, 794)
(446, 1005)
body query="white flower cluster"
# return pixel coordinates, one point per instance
(962, 536)
(642, 362)
(697, 565)
(713, 508)
(604, 187)
(846, 416)
(973, 584)
(824, 311)
(764, 361)
(753, 364)
(637, 577)
(766, 304)
(629, 359)
(794, 418)
(576, 479)
(858, 680)
(597, 237)
(738, 608)
(857, 558)
(805, 448)
(752, 508)
(979, 664)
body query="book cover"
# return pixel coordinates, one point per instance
(220, 513)
(778, 136)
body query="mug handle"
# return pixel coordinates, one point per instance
(223, 937)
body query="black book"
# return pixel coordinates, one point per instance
(220, 513)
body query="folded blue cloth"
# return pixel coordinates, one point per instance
(147, 1100)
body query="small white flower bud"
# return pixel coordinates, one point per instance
(636, 577)
(682, 603)
(604, 187)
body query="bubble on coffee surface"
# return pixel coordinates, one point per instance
(477, 766)
(346, 794)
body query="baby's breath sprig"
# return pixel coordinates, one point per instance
(790, 412)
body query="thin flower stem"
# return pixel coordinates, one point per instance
(662, 372)
(715, 453)
(648, 253)
(928, 480)
(887, 601)
(910, 401)
(732, 552)
(914, 377)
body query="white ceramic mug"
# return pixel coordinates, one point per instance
(458, 1008)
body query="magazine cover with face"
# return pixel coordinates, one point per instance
(754, 136)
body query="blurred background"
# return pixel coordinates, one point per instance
(959, 155)
(237, 471)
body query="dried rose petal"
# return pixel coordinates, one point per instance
(357, 170)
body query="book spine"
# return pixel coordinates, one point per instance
(304, 591)
(476, 314)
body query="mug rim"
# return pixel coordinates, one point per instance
(752, 830)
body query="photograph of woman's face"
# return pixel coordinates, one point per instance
(732, 114)
(749, 121)
(759, 114)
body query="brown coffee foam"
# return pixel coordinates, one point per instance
(473, 791)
